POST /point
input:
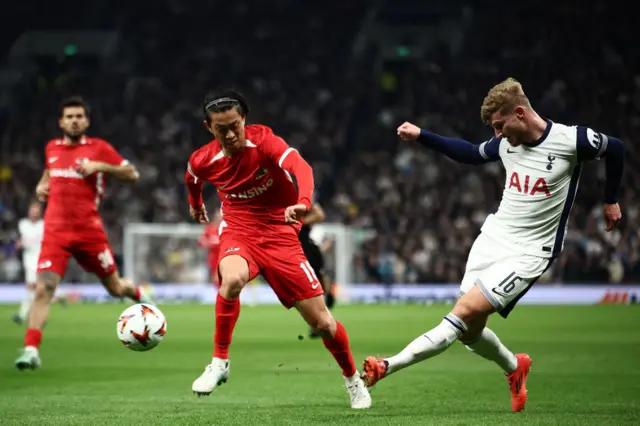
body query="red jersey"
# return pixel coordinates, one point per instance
(73, 199)
(255, 185)
(211, 241)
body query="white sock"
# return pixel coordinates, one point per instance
(430, 344)
(490, 347)
(25, 306)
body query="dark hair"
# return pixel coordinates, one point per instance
(223, 99)
(74, 101)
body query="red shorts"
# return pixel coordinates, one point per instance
(92, 252)
(281, 262)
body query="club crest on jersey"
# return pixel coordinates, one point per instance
(522, 185)
(551, 159)
(262, 173)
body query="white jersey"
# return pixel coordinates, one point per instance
(541, 185)
(31, 234)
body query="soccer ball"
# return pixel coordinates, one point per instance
(141, 327)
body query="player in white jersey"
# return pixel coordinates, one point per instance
(518, 243)
(31, 231)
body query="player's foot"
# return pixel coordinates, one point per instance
(358, 392)
(17, 319)
(518, 382)
(146, 298)
(374, 369)
(29, 358)
(215, 374)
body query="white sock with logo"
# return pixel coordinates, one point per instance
(489, 346)
(430, 344)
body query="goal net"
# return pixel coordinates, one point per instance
(169, 253)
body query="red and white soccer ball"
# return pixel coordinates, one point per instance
(141, 327)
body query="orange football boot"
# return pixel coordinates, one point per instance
(518, 382)
(374, 369)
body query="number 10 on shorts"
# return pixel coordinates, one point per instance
(309, 272)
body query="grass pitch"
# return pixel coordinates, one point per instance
(585, 372)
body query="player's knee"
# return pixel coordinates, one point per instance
(324, 325)
(46, 286)
(231, 285)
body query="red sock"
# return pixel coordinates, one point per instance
(33, 338)
(339, 348)
(137, 295)
(227, 313)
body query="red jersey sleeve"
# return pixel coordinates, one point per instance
(109, 155)
(193, 182)
(290, 160)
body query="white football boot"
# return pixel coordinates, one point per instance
(215, 374)
(29, 359)
(358, 392)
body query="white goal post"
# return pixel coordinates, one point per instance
(169, 252)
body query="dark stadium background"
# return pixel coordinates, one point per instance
(334, 78)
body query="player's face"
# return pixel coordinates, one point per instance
(74, 122)
(228, 128)
(35, 211)
(511, 126)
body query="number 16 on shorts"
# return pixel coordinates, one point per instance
(310, 273)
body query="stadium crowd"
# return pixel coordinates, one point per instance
(309, 85)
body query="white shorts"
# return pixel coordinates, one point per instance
(503, 276)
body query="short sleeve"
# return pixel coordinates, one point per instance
(591, 145)
(109, 155)
(490, 150)
(274, 147)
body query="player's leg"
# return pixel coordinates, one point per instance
(52, 265)
(336, 340)
(97, 258)
(236, 269)
(292, 278)
(469, 313)
(46, 284)
(120, 287)
(27, 301)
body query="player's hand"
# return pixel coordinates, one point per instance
(295, 213)
(408, 131)
(42, 192)
(86, 167)
(612, 216)
(199, 215)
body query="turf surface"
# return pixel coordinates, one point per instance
(585, 370)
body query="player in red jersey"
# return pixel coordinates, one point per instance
(73, 185)
(210, 240)
(262, 211)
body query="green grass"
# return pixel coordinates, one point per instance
(585, 370)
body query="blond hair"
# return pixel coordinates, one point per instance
(503, 97)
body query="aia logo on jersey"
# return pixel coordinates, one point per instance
(522, 184)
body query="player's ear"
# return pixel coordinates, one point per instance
(520, 111)
(208, 126)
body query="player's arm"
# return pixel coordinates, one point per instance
(457, 149)
(125, 171)
(290, 160)
(194, 185)
(42, 188)
(315, 215)
(592, 145)
(111, 162)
